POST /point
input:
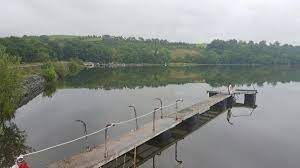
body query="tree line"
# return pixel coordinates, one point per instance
(118, 49)
(102, 49)
(241, 52)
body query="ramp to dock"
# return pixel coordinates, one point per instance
(95, 157)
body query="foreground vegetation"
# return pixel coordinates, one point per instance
(52, 71)
(108, 49)
(12, 75)
(10, 85)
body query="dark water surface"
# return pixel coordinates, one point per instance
(268, 138)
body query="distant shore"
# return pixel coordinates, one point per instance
(118, 65)
(88, 65)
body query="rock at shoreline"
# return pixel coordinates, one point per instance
(32, 87)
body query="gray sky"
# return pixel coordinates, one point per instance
(175, 20)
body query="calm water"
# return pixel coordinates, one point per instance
(268, 138)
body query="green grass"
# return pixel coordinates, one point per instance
(28, 69)
(180, 54)
(63, 37)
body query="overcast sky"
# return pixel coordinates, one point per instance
(175, 20)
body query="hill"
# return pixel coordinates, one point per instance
(118, 49)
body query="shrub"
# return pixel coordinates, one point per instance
(48, 71)
(10, 85)
(75, 65)
(60, 70)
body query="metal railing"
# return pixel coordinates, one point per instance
(106, 128)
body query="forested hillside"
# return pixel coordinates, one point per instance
(239, 52)
(108, 49)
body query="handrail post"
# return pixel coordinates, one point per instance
(176, 154)
(135, 115)
(153, 161)
(153, 128)
(85, 132)
(161, 107)
(178, 100)
(105, 139)
(230, 92)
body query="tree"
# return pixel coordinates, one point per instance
(13, 143)
(119, 49)
(10, 87)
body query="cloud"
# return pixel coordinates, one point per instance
(175, 20)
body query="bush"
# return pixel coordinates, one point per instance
(60, 70)
(10, 85)
(75, 65)
(49, 73)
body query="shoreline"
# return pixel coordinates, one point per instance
(89, 65)
(119, 65)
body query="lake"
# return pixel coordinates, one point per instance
(269, 137)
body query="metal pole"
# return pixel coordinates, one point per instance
(105, 139)
(161, 107)
(135, 115)
(178, 100)
(85, 132)
(176, 155)
(105, 142)
(153, 128)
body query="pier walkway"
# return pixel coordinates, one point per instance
(105, 153)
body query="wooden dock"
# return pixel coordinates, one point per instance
(129, 141)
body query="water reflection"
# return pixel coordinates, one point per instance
(231, 115)
(50, 88)
(139, 77)
(136, 78)
(161, 76)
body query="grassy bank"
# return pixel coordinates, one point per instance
(51, 70)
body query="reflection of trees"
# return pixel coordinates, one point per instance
(12, 143)
(247, 75)
(161, 76)
(50, 89)
(119, 78)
